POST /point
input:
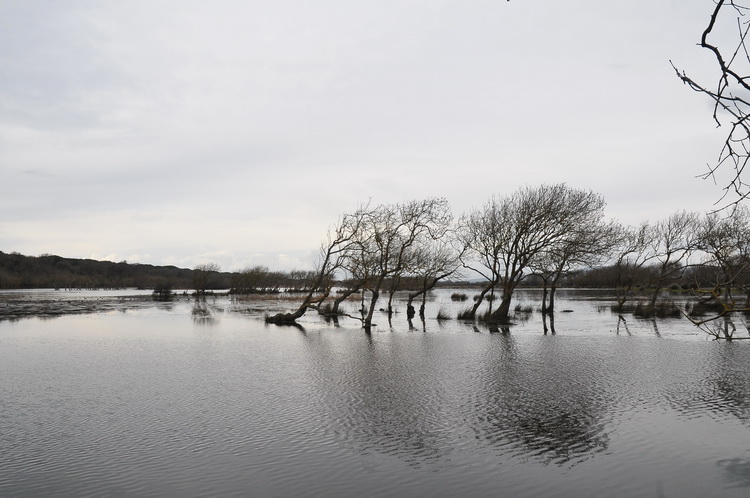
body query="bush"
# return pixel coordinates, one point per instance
(660, 310)
(162, 292)
(705, 307)
(523, 309)
(465, 314)
(459, 296)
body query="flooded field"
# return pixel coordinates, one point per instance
(112, 393)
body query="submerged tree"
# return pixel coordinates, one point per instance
(480, 236)
(583, 247)
(510, 234)
(371, 247)
(673, 241)
(729, 93)
(333, 253)
(632, 252)
(202, 276)
(725, 241)
(434, 260)
(386, 246)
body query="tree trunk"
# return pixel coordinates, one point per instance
(655, 295)
(337, 302)
(291, 318)
(371, 311)
(502, 312)
(551, 306)
(544, 299)
(473, 312)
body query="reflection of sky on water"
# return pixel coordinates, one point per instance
(154, 392)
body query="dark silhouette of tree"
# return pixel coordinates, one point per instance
(673, 241)
(586, 245)
(386, 247)
(729, 93)
(504, 239)
(725, 241)
(632, 253)
(333, 254)
(434, 260)
(202, 275)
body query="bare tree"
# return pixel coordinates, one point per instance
(673, 241)
(632, 253)
(252, 279)
(480, 235)
(333, 253)
(434, 260)
(506, 237)
(730, 94)
(725, 241)
(202, 276)
(585, 246)
(386, 243)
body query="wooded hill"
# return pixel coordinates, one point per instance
(47, 271)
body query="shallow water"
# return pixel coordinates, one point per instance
(204, 399)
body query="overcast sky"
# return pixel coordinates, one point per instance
(182, 132)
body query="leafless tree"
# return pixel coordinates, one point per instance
(386, 243)
(725, 241)
(586, 246)
(673, 240)
(333, 253)
(202, 276)
(730, 93)
(505, 238)
(434, 260)
(252, 279)
(480, 234)
(632, 253)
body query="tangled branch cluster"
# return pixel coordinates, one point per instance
(731, 97)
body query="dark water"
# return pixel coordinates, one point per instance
(202, 400)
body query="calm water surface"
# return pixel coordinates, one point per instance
(204, 399)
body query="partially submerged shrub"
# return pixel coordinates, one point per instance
(465, 314)
(442, 314)
(665, 309)
(459, 296)
(705, 307)
(326, 309)
(163, 292)
(523, 309)
(487, 297)
(491, 321)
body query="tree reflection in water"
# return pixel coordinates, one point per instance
(736, 471)
(204, 313)
(543, 407)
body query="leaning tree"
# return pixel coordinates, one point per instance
(333, 253)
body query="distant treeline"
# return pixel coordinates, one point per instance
(55, 272)
(47, 271)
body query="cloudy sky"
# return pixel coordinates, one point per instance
(182, 132)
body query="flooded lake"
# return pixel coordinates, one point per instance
(110, 393)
